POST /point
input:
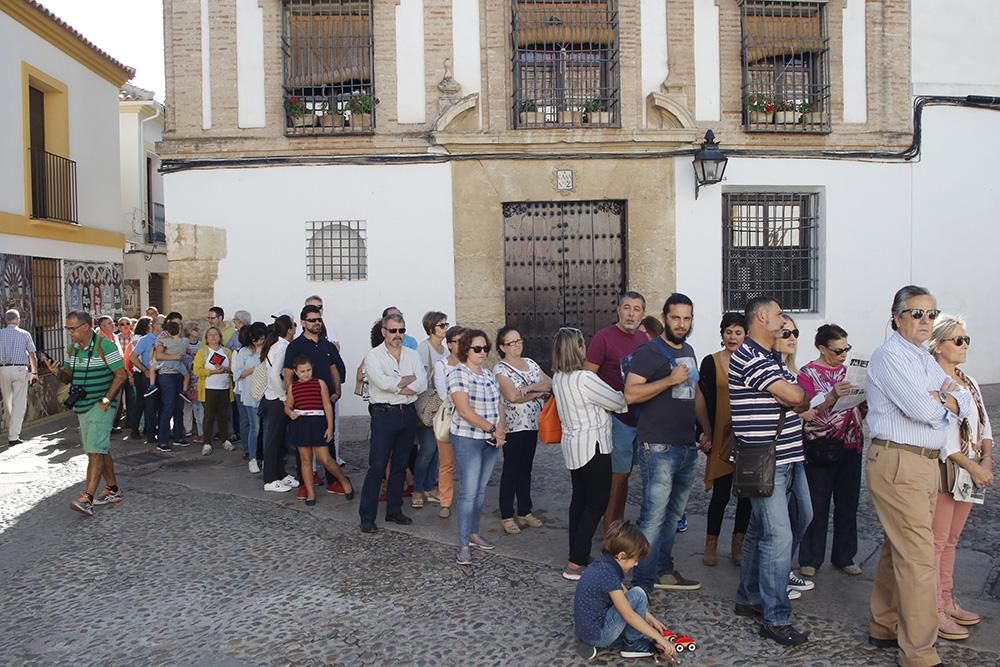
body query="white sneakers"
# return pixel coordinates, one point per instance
(228, 446)
(277, 486)
(254, 468)
(290, 482)
(206, 449)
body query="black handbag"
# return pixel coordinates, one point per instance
(754, 466)
(824, 451)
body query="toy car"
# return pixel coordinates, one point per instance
(681, 642)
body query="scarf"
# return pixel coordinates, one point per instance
(970, 441)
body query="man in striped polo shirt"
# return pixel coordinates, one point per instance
(762, 393)
(94, 364)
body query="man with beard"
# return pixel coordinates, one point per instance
(663, 381)
(604, 356)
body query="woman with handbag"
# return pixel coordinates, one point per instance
(524, 386)
(442, 422)
(425, 467)
(584, 401)
(967, 464)
(833, 443)
(713, 378)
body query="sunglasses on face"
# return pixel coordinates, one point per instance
(314, 320)
(918, 313)
(789, 333)
(843, 350)
(480, 349)
(442, 325)
(959, 341)
(401, 330)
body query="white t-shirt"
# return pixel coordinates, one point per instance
(221, 380)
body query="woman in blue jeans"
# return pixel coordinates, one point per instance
(477, 432)
(251, 339)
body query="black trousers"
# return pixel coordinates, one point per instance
(842, 483)
(591, 489)
(393, 429)
(722, 488)
(515, 480)
(274, 439)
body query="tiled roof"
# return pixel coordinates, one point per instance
(84, 40)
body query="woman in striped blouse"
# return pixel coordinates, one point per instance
(583, 401)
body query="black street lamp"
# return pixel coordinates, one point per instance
(709, 163)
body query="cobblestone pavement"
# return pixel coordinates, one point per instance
(199, 567)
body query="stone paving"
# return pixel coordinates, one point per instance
(199, 567)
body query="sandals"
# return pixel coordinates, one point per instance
(510, 526)
(418, 501)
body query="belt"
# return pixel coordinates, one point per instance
(921, 451)
(13, 364)
(391, 406)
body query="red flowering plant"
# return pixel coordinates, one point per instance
(760, 102)
(294, 106)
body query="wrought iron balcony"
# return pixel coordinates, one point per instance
(156, 228)
(53, 187)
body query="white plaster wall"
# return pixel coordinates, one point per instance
(466, 53)
(250, 63)
(93, 127)
(955, 47)
(653, 37)
(409, 214)
(855, 63)
(707, 85)
(132, 181)
(411, 93)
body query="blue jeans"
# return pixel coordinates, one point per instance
(425, 470)
(667, 477)
(474, 461)
(250, 428)
(171, 406)
(392, 432)
(624, 446)
(767, 549)
(615, 629)
(148, 406)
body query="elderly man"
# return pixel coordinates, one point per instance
(396, 377)
(18, 370)
(95, 368)
(911, 402)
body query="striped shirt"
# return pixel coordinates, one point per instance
(584, 401)
(15, 345)
(92, 371)
(484, 399)
(756, 412)
(901, 376)
(307, 396)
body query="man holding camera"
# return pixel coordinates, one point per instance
(95, 372)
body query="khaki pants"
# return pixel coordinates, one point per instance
(14, 387)
(904, 488)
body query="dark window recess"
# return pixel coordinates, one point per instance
(157, 292)
(53, 187)
(770, 247)
(327, 54)
(337, 250)
(566, 64)
(47, 309)
(156, 231)
(786, 66)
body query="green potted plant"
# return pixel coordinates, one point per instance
(530, 115)
(297, 113)
(596, 112)
(362, 106)
(812, 114)
(760, 108)
(786, 113)
(330, 118)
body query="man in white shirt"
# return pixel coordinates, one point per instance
(395, 377)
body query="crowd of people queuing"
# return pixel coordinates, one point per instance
(635, 395)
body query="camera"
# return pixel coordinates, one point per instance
(76, 392)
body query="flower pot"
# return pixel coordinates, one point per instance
(571, 117)
(761, 117)
(361, 121)
(305, 120)
(598, 118)
(786, 117)
(331, 120)
(532, 118)
(813, 119)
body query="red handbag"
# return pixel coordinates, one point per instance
(549, 426)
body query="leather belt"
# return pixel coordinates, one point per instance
(391, 406)
(920, 451)
(13, 364)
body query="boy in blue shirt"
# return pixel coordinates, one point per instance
(606, 613)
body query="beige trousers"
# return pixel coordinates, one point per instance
(14, 387)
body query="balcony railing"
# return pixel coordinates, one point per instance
(156, 229)
(53, 187)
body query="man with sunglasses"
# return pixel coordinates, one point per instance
(911, 402)
(395, 378)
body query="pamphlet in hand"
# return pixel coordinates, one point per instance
(857, 375)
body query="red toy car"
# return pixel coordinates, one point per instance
(681, 642)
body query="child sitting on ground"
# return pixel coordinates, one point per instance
(607, 613)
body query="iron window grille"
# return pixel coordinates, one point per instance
(565, 62)
(786, 66)
(337, 250)
(770, 247)
(47, 311)
(327, 51)
(53, 187)
(156, 232)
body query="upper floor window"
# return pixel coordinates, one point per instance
(786, 66)
(566, 63)
(327, 51)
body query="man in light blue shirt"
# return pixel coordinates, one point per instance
(910, 404)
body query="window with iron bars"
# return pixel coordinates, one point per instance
(337, 250)
(786, 66)
(327, 51)
(47, 311)
(565, 64)
(770, 247)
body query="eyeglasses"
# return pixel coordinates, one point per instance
(918, 313)
(401, 330)
(843, 350)
(514, 342)
(313, 320)
(442, 325)
(480, 349)
(959, 341)
(789, 333)
(72, 329)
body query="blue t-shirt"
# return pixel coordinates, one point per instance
(593, 598)
(144, 348)
(409, 341)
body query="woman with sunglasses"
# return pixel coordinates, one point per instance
(524, 386)
(788, 342)
(833, 443)
(425, 466)
(446, 453)
(966, 456)
(477, 433)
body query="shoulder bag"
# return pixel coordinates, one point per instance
(826, 451)
(754, 466)
(258, 380)
(428, 403)
(549, 425)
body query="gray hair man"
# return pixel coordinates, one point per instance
(18, 370)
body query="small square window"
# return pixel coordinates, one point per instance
(336, 250)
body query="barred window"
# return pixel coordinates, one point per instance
(566, 63)
(770, 247)
(47, 309)
(786, 66)
(327, 51)
(337, 250)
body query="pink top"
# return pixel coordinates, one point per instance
(845, 425)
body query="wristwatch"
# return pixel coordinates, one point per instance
(105, 400)
(943, 397)
(493, 429)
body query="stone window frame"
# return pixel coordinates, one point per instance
(336, 250)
